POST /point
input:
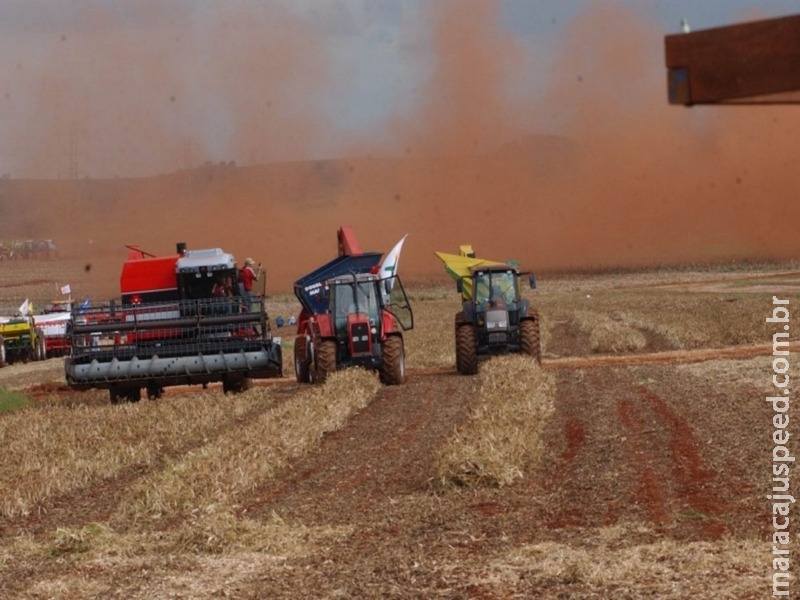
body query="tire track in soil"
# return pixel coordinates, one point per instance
(671, 356)
(98, 501)
(641, 458)
(384, 451)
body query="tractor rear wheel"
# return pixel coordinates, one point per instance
(466, 349)
(2, 351)
(529, 338)
(459, 321)
(302, 363)
(393, 368)
(325, 359)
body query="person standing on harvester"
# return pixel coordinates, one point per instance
(248, 275)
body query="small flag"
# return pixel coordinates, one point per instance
(84, 305)
(66, 290)
(25, 308)
(392, 260)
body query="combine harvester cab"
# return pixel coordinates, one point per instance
(494, 317)
(169, 330)
(351, 317)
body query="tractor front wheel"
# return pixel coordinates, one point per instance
(393, 368)
(529, 338)
(466, 349)
(2, 351)
(302, 362)
(325, 359)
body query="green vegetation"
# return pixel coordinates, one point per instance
(11, 400)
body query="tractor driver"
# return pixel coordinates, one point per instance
(222, 290)
(344, 304)
(498, 297)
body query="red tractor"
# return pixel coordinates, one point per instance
(351, 317)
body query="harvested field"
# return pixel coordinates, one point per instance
(633, 463)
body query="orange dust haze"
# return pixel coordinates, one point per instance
(625, 180)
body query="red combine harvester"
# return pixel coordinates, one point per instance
(170, 329)
(351, 317)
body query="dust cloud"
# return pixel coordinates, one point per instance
(626, 180)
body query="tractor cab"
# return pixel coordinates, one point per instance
(494, 303)
(356, 306)
(495, 288)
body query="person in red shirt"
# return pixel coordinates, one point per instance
(221, 292)
(222, 286)
(248, 275)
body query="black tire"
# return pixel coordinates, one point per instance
(459, 321)
(154, 391)
(235, 386)
(393, 367)
(121, 395)
(466, 349)
(133, 394)
(529, 338)
(114, 396)
(325, 360)
(302, 362)
(41, 350)
(2, 352)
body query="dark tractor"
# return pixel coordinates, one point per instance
(494, 319)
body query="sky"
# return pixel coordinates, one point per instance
(120, 88)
